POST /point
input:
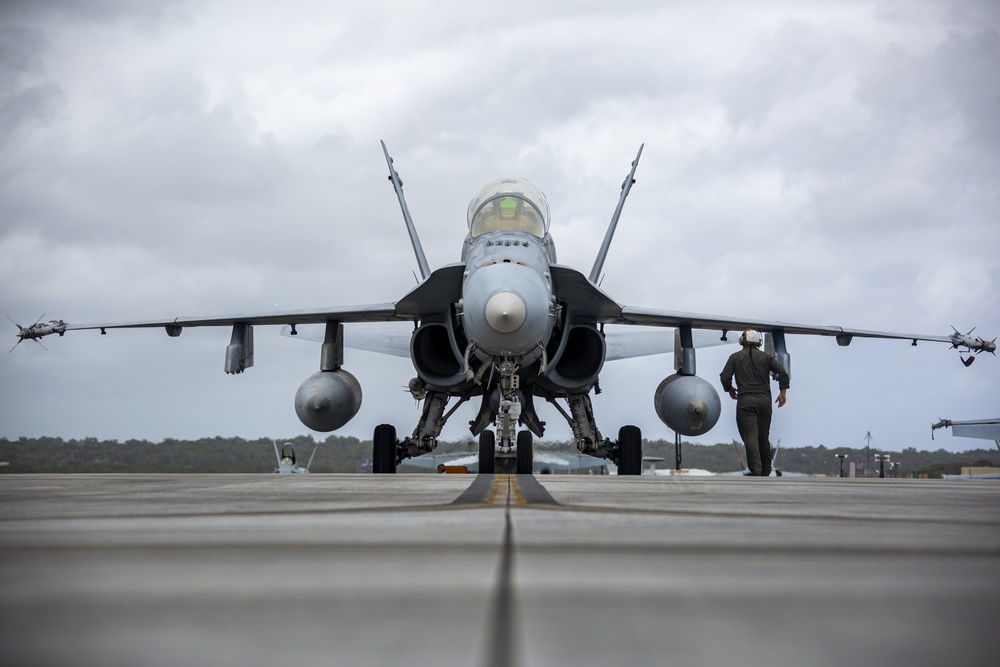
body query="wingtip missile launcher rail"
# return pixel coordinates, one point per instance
(972, 344)
(38, 330)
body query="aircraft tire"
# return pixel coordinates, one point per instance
(487, 452)
(384, 449)
(525, 462)
(629, 450)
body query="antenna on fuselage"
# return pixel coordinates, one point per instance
(603, 253)
(397, 185)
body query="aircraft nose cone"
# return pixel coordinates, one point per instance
(505, 312)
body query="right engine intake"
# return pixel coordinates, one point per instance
(687, 404)
(327, 400)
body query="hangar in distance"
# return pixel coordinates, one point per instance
(506, 327)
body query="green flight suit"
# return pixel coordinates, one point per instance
(752, 368)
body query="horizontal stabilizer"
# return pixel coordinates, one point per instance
(631, 344)
(384, 338)
(394, 339)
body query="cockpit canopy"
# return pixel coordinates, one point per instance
(509, 205)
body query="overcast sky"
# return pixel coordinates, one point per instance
(817, 163)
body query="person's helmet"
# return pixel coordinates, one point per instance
(751, 337)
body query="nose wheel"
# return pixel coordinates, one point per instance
(525, 457)
(487, 452)
(518, 459)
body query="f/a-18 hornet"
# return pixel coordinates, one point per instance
(508, 326)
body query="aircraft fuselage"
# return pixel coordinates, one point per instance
(508, 304)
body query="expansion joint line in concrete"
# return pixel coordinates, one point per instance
(502, 639)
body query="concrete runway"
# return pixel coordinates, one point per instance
(497, 571)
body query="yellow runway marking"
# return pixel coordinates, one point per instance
(504, 486)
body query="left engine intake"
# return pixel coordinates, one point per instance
(327, 400)
(687, 404)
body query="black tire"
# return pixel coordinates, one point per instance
(487, 452)
(384, 449)
(629, 450)
(525, 458)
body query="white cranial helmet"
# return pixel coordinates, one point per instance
(751, 337)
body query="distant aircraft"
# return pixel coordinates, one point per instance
(286, 460)
(37, 330)
(775, 470)
(987, 429)
(508, 326)
(651, 469)
(543, 461)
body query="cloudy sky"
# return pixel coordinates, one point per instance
(811, 162)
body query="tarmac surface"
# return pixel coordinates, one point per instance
(497, 571)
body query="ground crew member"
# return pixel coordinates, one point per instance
(752, 368)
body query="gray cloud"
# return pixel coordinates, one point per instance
(813, 163)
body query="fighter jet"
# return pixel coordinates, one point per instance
(287, 462)
(38, 330)
(507, 327)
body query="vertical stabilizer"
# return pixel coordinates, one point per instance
(595, 273)
(397, 184)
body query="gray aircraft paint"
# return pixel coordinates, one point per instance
(508, 326)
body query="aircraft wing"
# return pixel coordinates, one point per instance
(369, 313)
(589, 300)
(630, 344)
(438, 291)
(432, 461)
(565, 461)
(384, 338)
(542, 460)
(987, 429)
(667, 318)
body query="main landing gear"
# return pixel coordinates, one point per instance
(384, 449)
(626, 453)
(515, 451)
(629, 450)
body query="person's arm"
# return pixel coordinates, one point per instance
(784, 381)
(727, 378)
(781, 398)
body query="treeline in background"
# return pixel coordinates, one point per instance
(338, 454)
